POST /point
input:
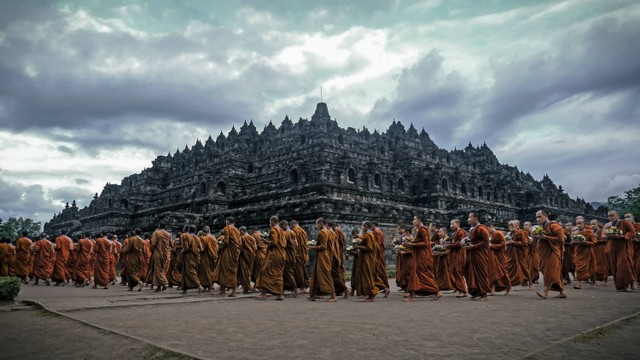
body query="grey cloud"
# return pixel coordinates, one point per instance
(68, 194)
(27, 201)
(65, 149)
(81, 181)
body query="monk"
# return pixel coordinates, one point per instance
(73, 258)
(499, 278)
(441, 267)
(160, 247)
(84, 261)
(550, 250)
(421, 278)
(64, 247)
(321, 280)
(102, 250)
(146, 258)
(601, 253)
(583, 258)
(620, 243)
(191, 249)
(568, 267)
(22, 262)
(337, 267)
(5, 256)
(534, 258)
(44, 258)
(208, 259)
(355, 240)
(303, 255)
(115, 257)
(226, 272)
(381, 265)
(261, 254)
(367, 283)
(133, 252)
(401, 279)
(477, 266)
(124, 280)
(517, 256)
(270, 279)
(457, 258)
(174, 275)
(246, 261)
(636, 245)
(289, 277)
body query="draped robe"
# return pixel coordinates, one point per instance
(498, 273)
(621, 254)
(208, 260)
(160, 247)
(270, 279)
(246, 261)
(64, 246)
(321, 282)
(477, 266)
(226, 272)
(102, 252)
(583, 257)
(44, 258)
(550, 249)
(421, 277)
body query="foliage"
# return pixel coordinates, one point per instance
(630, 203)
(13, 227)
(9, 287)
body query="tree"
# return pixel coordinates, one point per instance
(13, 227)
(629, 204)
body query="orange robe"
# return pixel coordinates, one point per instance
(567, 257)
(226, 272)
(261, 254)
(421, 277)
(381, 265)
(517, 257)
(246, 261)
(208, 260)
(160, 247)
(23, 262)
(174, 275)
(64, 246)
(113, 260)
(123, 273)
(583, 258)
(367, 282)
(84, 262)
(44, 259)
(303, 256)
(534, 258)
(5, 259)
(146, 258)
(289, 275)
(337, 261)
(498, 273)
(191, 249)
(621, 255)
(457, 260)
(550, 248)
(321, 281)
(71, 263)
(134, 253)
(442, 271)
(477, 266)
(270, 279)
(601, 254)
(102, 249)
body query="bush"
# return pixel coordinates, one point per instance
(9, 288)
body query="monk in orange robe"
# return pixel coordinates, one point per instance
(191, 250)
(302, 279)
(146, 258)
(321, 280)
(22, 262)
(84, 256)
(550, 250)
(337, 241)
(44, 258)
(636, 245)
(441, 267)
(124, 280)
(381, 265)
(534, 258)
(226, 272)
(5, 256)
(160, 247)
(517, 256)
(64, 246)
(270, 279)
(367, 283)
(568, 268)
(355, 240)
(457, 258)
(174, 275)
(246, 260)
(421, 278)
(498, 274)
(102, 250)
(477, 267)
(114, 258)
(601, 253)
(133, 252)
(289, 276)
(208, 259)
(583, 258)
(620, 233)
(261, 254)
(71, 263)
(401, 259)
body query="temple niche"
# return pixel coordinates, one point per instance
(315, 168)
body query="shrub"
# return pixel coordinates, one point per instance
(9, 287)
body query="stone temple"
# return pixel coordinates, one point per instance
(315, 168)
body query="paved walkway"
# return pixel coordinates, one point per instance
(517, 326)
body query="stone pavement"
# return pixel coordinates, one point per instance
(504, 327)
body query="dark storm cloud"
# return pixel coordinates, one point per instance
(27, 201)
(68, 194)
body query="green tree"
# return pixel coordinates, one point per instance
(13, 227)
(630, 203)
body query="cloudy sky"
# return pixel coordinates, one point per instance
(92, 91)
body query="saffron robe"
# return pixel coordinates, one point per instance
(191, 249)
(337, 261)
(226, 271)
(102, 252)
(84, 260)
(134, 253)
(64, 246)
(498, 273)
(23, 262)
(303, 257)
(160, 247)
(457, 260)
(550, 249)
(321, 281)
(246, 261)
(477, 266)
(367, 283)
(44, 258)
(208, 260)
(270, 279)
(421, 277)
(621, 254)
(583, 257)
(517, 257)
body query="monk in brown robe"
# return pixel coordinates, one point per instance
(601, 253)
(620, 243)
(477, 267)
(133, 251)
(102, 250)
(550, 250)
(568, 267)
(160, 247)
(64, 247)
(191, 249)
(583, 258)
(174, 275)
(208, 259)
(534, 258)
(302, 279)
(44, 258)
(22, 262)
(337, 268)
(381, 265)
(289, 276)
(636, 245)
(247, 260)
(367, 283)
(124, 280)
(84, 261)
(355, 240)
(71, 263)
(517, 255)
(5, 256)
(270, 279)
(457, 258)
(226, 272)
(321, 280)
(261, 254)
(441, 267)
(146, 258)
(401, 259)
(498, 275)
(421, 278)
(115, 257)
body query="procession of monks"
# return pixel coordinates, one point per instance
(476, 263)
